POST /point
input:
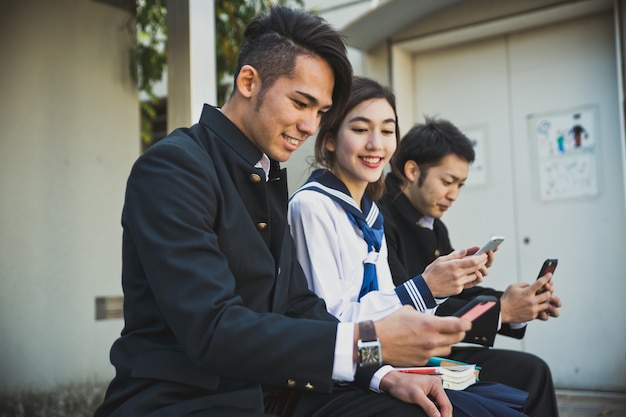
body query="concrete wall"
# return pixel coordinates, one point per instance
(70, 121)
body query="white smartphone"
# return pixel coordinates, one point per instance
(491, 244)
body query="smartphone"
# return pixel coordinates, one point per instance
(549, 265)
(491, 244)
(476, 307)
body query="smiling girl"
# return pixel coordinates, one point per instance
(335, 222)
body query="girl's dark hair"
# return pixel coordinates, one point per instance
(426, 144)
(362, 89)
(273, 41)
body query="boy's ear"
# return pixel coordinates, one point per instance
(247, 81)
(411, 170)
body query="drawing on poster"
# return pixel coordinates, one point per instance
(477, 173)
(566, 145)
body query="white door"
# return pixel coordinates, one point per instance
(498, 91)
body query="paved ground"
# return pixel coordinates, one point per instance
(591, 404)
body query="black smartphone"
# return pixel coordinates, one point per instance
(476, 307)
(549, 265)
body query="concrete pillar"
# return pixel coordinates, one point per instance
(190, 60)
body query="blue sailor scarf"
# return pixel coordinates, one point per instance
(369, 221)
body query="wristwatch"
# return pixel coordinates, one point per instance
(370, 352)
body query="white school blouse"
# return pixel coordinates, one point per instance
(331, 250)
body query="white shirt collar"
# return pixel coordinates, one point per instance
(426, 222)
(264, 163)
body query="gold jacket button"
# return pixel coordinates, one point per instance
(291, 383)
(437, 253)
(255, 178)
(308, 386)
(261, 226)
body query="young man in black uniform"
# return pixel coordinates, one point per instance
(428, 170)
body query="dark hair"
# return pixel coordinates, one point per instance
(273, 41)
(426, 144)
(362, 89)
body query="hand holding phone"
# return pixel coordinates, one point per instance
(549, 265)
(491, 244)
(476, 307)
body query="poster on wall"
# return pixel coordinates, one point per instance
(565, 145)
(477, 174)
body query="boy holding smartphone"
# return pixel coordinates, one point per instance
(429, 168)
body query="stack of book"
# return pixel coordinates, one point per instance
(453, 374)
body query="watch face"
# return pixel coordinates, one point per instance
(370, 356)
(369, 353)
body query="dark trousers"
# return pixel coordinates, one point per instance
(517, 369)
(344, 401)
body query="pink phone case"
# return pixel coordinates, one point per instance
(478, 310)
